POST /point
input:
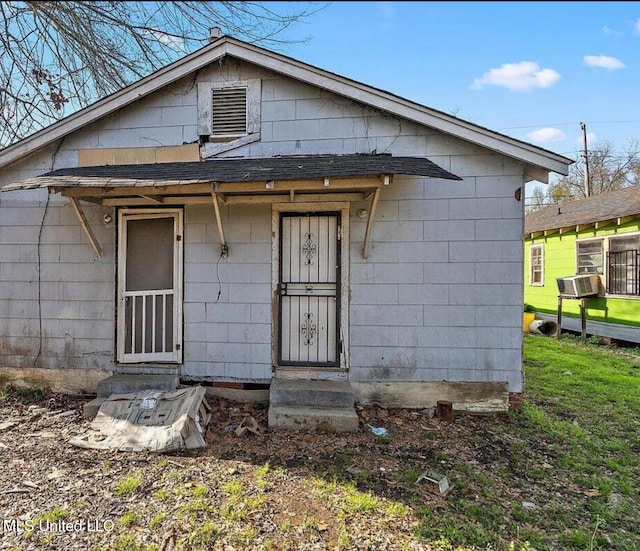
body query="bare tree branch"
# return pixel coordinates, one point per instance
(59, 56)
(609, 170)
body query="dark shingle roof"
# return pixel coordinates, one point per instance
(274, 168)
(606, 206)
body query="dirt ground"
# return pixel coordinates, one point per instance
(276, 490)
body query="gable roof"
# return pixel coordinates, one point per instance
(539, 161)
(585, 212)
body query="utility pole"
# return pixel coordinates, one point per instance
(587, 180)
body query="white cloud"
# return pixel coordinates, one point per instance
(524, 75)
(636, 27)
(610, 32)
(174, 42)
(591, 139)
(546, 135)
(604, 62)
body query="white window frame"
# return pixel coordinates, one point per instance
(220, 144)
(603, 254)
(532, 281)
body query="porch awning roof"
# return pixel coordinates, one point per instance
(292, 179)
(235, 170)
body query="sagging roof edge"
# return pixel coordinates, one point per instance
(238, 170)
(531, 155)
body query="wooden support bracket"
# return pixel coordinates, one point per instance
(372, 212)
(223, 241)
(85, 226)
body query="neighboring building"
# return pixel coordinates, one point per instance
(596, 235)
(240, 215)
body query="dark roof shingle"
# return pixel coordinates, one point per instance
(291, 167)
(606, 206)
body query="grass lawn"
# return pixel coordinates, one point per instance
(568, 475)
(562, 474)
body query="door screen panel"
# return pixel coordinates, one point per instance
(149, 289)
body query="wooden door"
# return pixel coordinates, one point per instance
(309, 290)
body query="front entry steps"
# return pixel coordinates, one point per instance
(310, 405)
(126, 383)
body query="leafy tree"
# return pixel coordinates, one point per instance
(609, 170)
(59, 56)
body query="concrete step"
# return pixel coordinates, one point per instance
(312, 418)
(126, 383)
(304, 393)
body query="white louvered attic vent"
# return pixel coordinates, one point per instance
(229, 112)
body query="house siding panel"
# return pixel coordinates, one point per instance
(421, 304)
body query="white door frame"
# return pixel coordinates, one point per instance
(175, 355)
(343, 235)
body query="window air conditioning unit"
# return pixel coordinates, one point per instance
(579, 286)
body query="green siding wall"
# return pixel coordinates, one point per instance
(560, 261)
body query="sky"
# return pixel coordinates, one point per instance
(531, 70)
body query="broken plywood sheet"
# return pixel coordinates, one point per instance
(150, 420)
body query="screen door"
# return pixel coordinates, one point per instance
(149, 287)
(309, 290)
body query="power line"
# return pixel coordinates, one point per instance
(565, 124)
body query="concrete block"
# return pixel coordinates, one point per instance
(298, 392)
(261, 352)
(474, 251)
(121, 383)
(178, 115)
(206, 332)
(260, 313)
(503, 272)
(397, 273)
(250, 293)
(306, 418)
(432, 293)
(450, 315)
(230, 313)
(449, 272)
(393, 315)
(374, 294)
(498, 230)
(229, 352)
(374, 336)
(425, 209)
(284, 110)
(474, 209)
(449, 230)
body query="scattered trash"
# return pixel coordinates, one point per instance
(615, 499)
(174, 423)
(355, 471)
(529, 505)
(437, 479)
(542, 327)
(231, 427)
(568, 373)
(444, 410)
(249, 424)
(378, 431)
